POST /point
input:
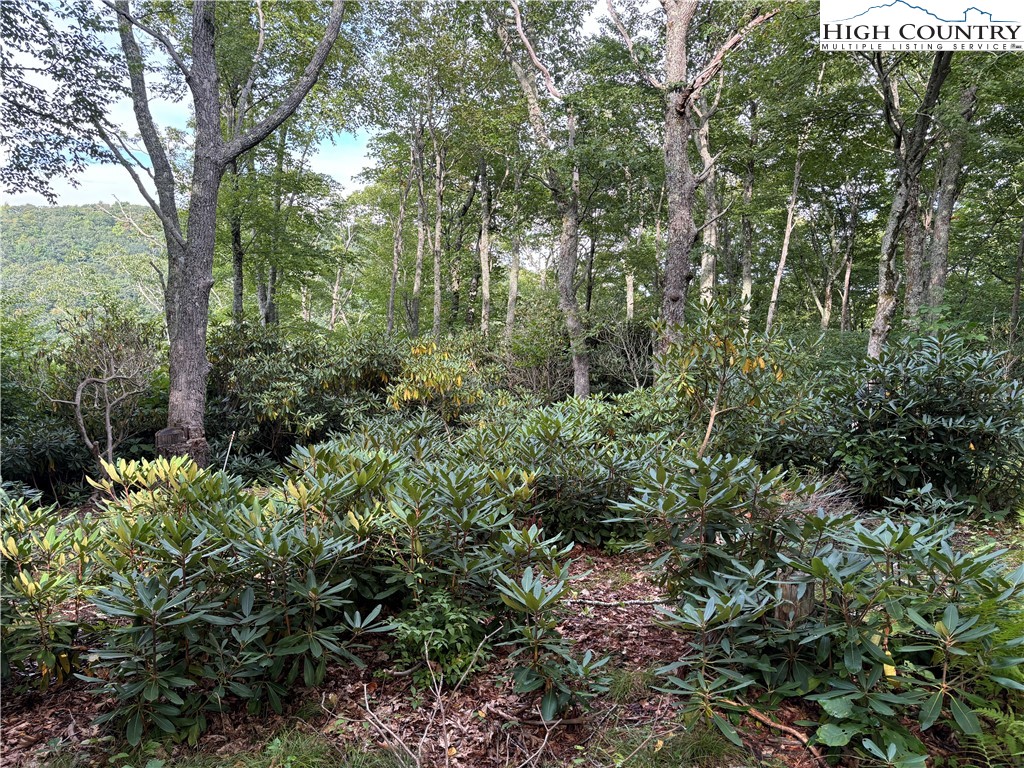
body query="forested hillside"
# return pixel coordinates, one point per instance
(72, 257)
(655, 399)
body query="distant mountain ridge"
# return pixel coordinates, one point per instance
(75, 256)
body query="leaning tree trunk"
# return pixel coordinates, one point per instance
(773, 304)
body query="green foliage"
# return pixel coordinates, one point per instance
(578, 464)
(445, 639)
(547, 665)
(868, 621)
(446, 382)
(932, 412)
(274, 388)
(46, 562)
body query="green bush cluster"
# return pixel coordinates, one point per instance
(210, 593)
(870, 621)
(933, 411)
(274, 388)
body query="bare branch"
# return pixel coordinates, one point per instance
(246, 92)
(291, 102)
(169, 224)
(713, 67)
(629, 47)
(121, 9)
(549, 81)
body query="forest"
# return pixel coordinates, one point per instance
(654, 397)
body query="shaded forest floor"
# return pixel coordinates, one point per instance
(372, 718)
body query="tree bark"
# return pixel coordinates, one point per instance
(709, 232)
(680, 180)
(629, 296)
(844, 314)
(914, 267)
(237, 251)
(397, 242)
(747, 266)
(513, 290)
(421, 235)
(1018, 278)
(949, 189)
(485, 249)
(911, 149)
(439, 182)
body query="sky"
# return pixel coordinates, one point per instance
(344, 157)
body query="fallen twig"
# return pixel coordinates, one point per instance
(799, 736)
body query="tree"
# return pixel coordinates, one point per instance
(681, 90)
(190, 249)
(912, 139)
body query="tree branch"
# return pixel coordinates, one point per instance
(121, 9)
(169, 224)
(711, 70)
(629, 47)
(287, 107)
(549, 81)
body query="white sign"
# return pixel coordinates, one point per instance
(921, 25)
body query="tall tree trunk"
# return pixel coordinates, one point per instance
(680, 182)
(747, 267)
(485, 249)
(773, 303)
(568, 255)
(566, 198)
(949, 188)
(237, 249)
(439, 181)
(421, 236)
(912, 146)
(397, 242)
(914, 266)
(709, 231)
(513, 290)
(589, 295)
(190, 253)
(455, 265)
(844, 315)
(1018, 278)
(629, 296)
(801, 141)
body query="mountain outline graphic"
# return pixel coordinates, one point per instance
(933, 15)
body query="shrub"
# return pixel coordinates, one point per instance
(869, 621)
(275, 388)
(931, 412)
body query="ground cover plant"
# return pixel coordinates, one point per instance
(509, 384)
